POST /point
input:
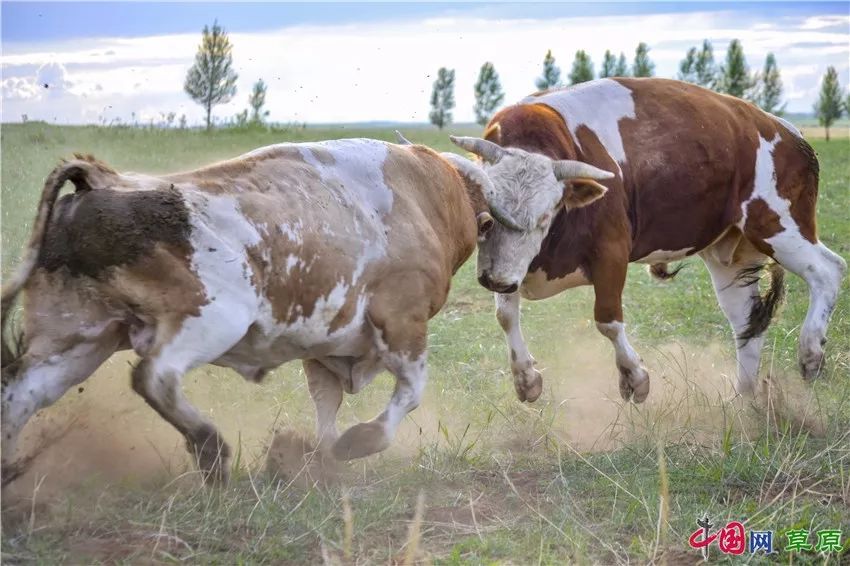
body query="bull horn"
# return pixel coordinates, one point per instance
(486, 150)
(566, 169)
(401, 140)
(503, 217)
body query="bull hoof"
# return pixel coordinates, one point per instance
(528, 383)
(361, 440)
(213, 456)
(811, 364)
(634, 384)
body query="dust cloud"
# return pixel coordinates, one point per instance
(105, 435)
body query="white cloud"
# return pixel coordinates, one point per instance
(821, 22)
(384, 71)
(19, 89)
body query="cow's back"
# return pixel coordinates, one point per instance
(686, 155)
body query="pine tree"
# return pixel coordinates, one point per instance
(643, 66)
(488, 93)
(768, 90)
(705, 68)
(622, 68)
(687, 67)
(582, 70)
(828, 107)
(735, 76)
(211, 80)
(551, 77)
(256, 100)
(609, 65)
(443, 98)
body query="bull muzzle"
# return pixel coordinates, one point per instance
(496, 286)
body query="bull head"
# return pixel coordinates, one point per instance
(524, 192)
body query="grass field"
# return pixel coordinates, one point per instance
(577, 477)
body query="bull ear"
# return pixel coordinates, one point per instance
(485, 223)
(581, 192)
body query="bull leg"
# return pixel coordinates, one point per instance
(608, 282)
(823, 270)
(736, 300)
(42, 381)
(326, 391)
(157, 378)
(374, 436)
(528, 382)
(400, 326)
(160, 387)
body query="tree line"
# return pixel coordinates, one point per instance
(211, 80)
(732, 76)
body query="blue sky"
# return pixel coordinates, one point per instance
(355, 62)
(41, 21)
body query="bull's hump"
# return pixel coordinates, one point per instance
(598, 105)
(355, 167)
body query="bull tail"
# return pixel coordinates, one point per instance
(86, 173)
(764, 306)
(661, 271)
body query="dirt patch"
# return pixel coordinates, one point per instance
(294, 458)
(692, 399)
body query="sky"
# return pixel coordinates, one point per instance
(78, 62)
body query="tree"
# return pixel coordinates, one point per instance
(551, 73)
(488, 93)
(828, 107)
(256, 100)
(735, 76)
(698, 66)
(643, 67)
(211, 80)
(687, 67)
(768, 90)
(622, 68)
(704, 66)
(582, 70)
(609, 65)
(443, 98)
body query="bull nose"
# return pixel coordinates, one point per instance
(495, 286)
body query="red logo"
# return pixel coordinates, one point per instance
(731, 539)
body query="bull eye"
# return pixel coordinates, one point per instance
(485, 223)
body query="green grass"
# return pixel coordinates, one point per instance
(573, 478)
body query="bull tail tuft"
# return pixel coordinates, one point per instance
(764, 307)
(661, 272)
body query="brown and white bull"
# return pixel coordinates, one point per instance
(336, 253)
(694, 172)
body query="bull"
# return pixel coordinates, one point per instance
(694, 172)
(334, 253)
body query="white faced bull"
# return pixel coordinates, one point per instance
(527, 191)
